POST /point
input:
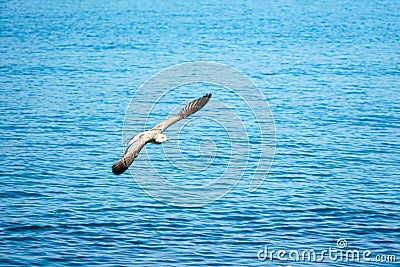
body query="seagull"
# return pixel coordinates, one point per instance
(155, 135)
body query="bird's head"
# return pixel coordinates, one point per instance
(161, 138)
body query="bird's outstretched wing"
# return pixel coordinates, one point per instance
(131, 152)
(190, 109)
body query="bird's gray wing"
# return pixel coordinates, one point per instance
(131, 153)
(190, 109)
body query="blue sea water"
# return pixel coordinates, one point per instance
(330, 71)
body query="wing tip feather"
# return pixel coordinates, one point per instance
(119, 167)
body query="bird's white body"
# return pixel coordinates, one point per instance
(155, 137)
(160, 138)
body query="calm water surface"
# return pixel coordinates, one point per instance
(329, 70)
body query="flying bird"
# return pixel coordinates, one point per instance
(155, 135)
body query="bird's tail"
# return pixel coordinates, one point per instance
(119, 166)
